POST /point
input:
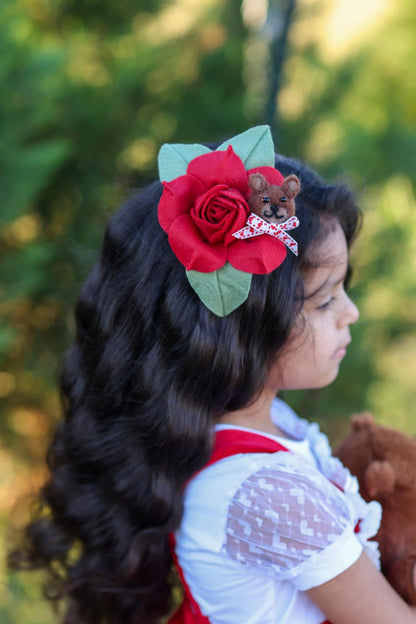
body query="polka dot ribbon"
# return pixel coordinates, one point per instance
(255, 226)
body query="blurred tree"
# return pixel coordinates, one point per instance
(279, 19)
(92, 97)
(358, 116)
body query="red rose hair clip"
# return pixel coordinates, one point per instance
(227, 214)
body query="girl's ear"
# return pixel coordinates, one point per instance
(257, 182)
(291, 186)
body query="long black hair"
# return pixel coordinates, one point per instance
(150, 371)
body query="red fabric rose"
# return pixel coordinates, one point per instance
(202, 209)
(220, 212)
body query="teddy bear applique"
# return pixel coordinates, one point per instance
(273, 203)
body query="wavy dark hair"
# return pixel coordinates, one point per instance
(150, 371)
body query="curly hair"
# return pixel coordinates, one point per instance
(149, 373)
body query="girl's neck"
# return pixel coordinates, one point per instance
(255, 416)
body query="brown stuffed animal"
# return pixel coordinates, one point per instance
(384, 462)
(273, 203)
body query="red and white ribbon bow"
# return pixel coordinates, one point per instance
(255, 226)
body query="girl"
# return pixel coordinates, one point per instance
(198, 311)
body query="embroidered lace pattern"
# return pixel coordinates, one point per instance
(283, 516)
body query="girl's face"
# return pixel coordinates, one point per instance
(321, 334)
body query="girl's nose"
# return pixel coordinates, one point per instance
(351, 311)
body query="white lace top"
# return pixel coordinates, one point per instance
(261, 528)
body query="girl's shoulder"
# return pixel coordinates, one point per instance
(252, 499)
(254, 473)
(252, 485)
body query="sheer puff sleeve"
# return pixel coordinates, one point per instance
(290, 521)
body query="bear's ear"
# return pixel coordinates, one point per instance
(291, 186)
(363, 420)
(257, 182)
(379, 478)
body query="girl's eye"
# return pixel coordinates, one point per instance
(266, 200)
(326, 304)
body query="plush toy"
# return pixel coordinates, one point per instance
(384, 462)
(273, 203)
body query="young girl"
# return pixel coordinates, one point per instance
(211, 294)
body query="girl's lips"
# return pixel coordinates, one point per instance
(340, 353)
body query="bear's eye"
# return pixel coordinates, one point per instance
(266, 200)
(283, 199)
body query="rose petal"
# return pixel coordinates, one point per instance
(219, 213)
(220, 168)
(177, 199)
(192, 250)
(260, 254)
(272, 175)
(223, 233)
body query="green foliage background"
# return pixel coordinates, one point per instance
(91, 89)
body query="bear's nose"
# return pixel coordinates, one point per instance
(275, 209)
(273, 212)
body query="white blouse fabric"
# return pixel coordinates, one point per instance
(261, 528)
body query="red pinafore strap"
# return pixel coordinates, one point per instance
(228, 442)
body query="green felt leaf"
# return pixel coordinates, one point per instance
(221, 291)
(254, 147)
(174, 158)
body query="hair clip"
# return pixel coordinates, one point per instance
(227, 213)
